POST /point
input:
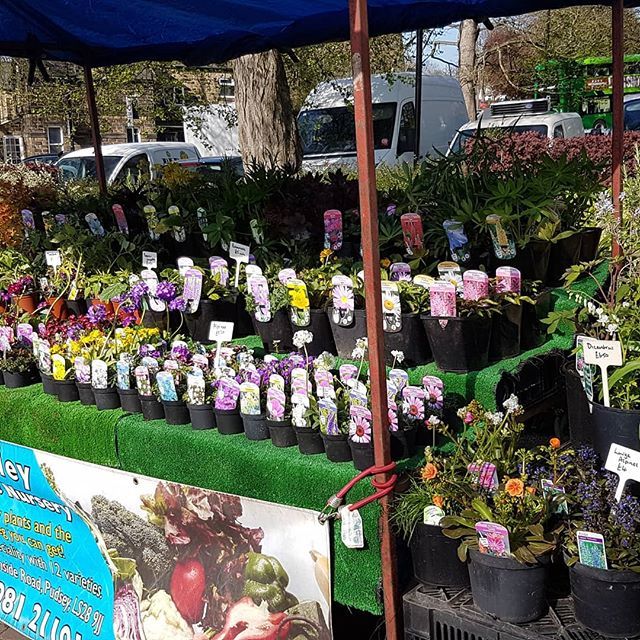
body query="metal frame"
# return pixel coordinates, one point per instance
(95, 129)
(617, 107)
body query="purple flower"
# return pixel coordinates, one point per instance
(391, 210)
(181, 353)
(138, 292)
(97, 313)
(166, 291)
(178, 304)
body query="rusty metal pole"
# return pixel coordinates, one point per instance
(617, 107)
(95, 129)
(359, 29)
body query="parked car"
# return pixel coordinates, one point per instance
(43, 158)
(632, 112)
(215, 164)
(122, 160)
(327, 125)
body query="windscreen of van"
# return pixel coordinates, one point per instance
(463, 136)
(332, 130)
(79, 168)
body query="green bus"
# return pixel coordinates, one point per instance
(584, 86)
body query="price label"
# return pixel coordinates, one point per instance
(625, 463)
(239, 252)
(220, 331)
(351, 532)
(603, 353)
(53, 258)
(149, 259)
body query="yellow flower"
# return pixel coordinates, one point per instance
(385, 263)
(298, 299)
(389, 305)
(325, 254)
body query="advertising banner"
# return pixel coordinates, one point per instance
(89, 552)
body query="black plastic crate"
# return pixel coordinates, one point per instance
(432, 613)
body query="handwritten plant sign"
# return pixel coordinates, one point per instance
(603, 353)
(625, 463)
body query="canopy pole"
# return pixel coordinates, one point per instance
(617, 107)
(360, 63)
(95, 129)
(418, 94)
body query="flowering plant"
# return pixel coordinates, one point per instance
(22, 286)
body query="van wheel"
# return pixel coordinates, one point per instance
(599, 126)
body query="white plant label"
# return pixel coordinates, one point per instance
(603, 353)
(184, 264)
(625, 463)
(239, 253)
(149, 259)
(220, 332)
(53, 258)
(351, 532)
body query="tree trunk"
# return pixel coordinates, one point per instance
(467, 63)
(267, 127)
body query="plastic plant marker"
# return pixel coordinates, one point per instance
(413, 403)
(324, 384)
(219, 268)
(508, 280)
(94, 224)
(220, 332)
(276, 404)
(585, 371)
(351, 531)
(99, 374)
(239, 253)
(24, 333)
(44, 357)
(192, 291)
(432, 515)
(143, 380)
(475, 285)
(400, 378)
(400, 272)
(201, 361)
(151, 216)
(504, 246)
(392, 414)
(59, 366)
(493, 539)
(203, 221)
(343, 301)
(328, 416)
(28, 221)
(625, 463)
(121, 219)
(299, 303)
(53, 260)
(195, 389)
(391, 309)
(184, 263)
(347, 372)
(300, 381)
(259, 290)
(166, 386)
(458, 241)
(359, 424)
(604, 354)
(485, 474)
(443, 300)
(423, 281)
(333, 229)
(151, 280)
(178, 232)
(412, 232)
(591, 549)
(284, 275)
(250, 399)
(276, 381)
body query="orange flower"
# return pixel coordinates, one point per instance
(438, 501)
(531, 490)
(429, 471)
(555, 443)
(514, 487)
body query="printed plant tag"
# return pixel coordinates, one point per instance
(252, 270)
(24, 333)
(399, 378)
(360, 424)
(99, 374)
(250, 399)
(324, 384)
(347, 372)
(94, 224)
(358, 396)
(450, 272)
(485, 474)
(219, 269)
(170, 365)
(392, 414)
(44, 357)
(28, 221)
(143, 381)
(201, 361)
(59, 366)
(592, 551)
(192, 291)
(458, 241)
(177, 231)
(412, 232)
(239, 253)
(177, 348)
(351, 530)
(121, 219)
(299, 408)
(53, 259)
(276, 404)
(504, 246)
(603, 354)
(196, 389)
(391, 310)
(203, 221)
(433, 515)
(184, 264)
(475, 285)
(585, 371)
(625, 463)
(151, 216)
(493, 539)
(343, 301)
(82, 370)
(328, 416)
(276, 381)
(300, 381)
(151, 364)
(123, 371)
(284, 275)
(151, 280)
(166, 386)
(443, 300)
(400, 272)
(259, 290)
(434, 389)
(423, 281)
(299, 303)
(508, 280)
(333, 229)
(413, 403)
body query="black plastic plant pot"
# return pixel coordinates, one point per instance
(202, 416)
(590, 243)
(435, 558)
(532, 260)
(337, 448)
(176, 412)
(48, 384)
(403, 443)
(606, 601)
(67, 391)
(17, 380)
(362, 454)
(505, 333)
(277, 330)
(152, 408)
(1, 377)
(158, 320)
(411, 340)
(229, 421)
(130, 400)
(459, 344)
(611, 425)
(345, 337)
(309, 441)
(77, 307)
(532, 331)
(282, 433)
(85, 394)
(564, 254)
(507, 589)
(208, 311)
(255, 427)
(243, 322)
(578, 414)
(320, 327)
(106, 398)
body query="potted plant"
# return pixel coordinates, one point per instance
(171, 385)
(63, 372)
(536, 305)
(334, 429)
(23, 294)
(226, 406)
(18, 368)
(347, 302)
(199, 398)
(506, 326)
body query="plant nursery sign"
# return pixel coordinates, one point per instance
(603, 353)
(123, 556)
(625, 463)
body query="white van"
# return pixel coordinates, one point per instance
(520, 116)
(327, 126)
(121, 160)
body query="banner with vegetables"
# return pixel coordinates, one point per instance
(90, 552)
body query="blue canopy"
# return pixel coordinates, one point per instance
(107, 32)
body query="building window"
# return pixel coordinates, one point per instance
(12, 147)
(227, 89)
(54, 137)
(133, 134)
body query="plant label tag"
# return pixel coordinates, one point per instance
(151, 280)
(166, 386)
(603, 353)
(99, 374)
(151, 364)
(508, 280)
(434, 389)
(360, 275)
(239, 252)
(151, 215)
(423, 281)
(53, 259)
(328, 417)
(123, 372)
(412, 233)
(192, 290)
(24, 333)
(219, 269)
(300, 381)
(276, 381)
(399, 378)
(360, 424)
(195, 389)
(475, 285)
(458, 241)
(259, 290)
(201, 361)
(443, 300)
(121, 219)
(324, 384)
(432, 515)
(44, 357)
(343, 301)
(585, 371)
(413, 404)
(284, 275)
(178, 231)
(28, 221)
(625, 463)
(252, 270)
(485, 474)
(351, 531)
(220, 331)
(227, 394)
(504, 246)
(592, 551)
(493, 539)
(392, 413)
(391, 310)
(400, 272)
(347, 372)
(149, 259)
(299, 303)
(143, 382)
(59, 366)
(276, 403)
(203, 221)
(184, 264)
(250, 399)
(333, 229)
(82, 370)
(94, 224)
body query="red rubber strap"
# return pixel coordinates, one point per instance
(371, 471)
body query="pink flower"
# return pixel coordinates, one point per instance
(468, 419)
(360, 429)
